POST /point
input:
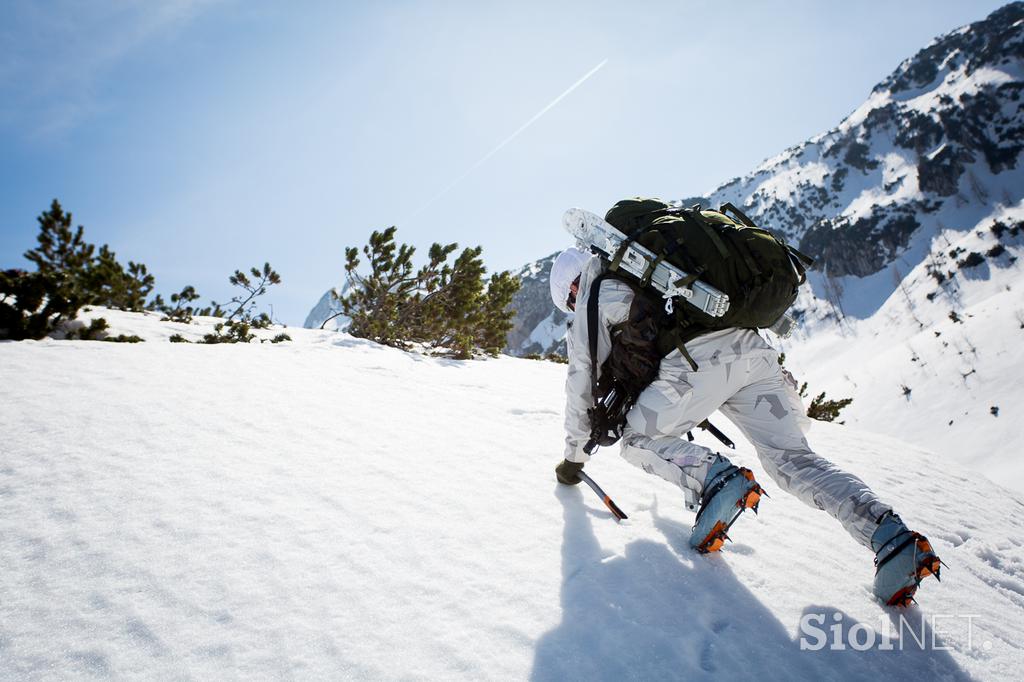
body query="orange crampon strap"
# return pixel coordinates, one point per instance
(752, 497)
(715, 540)
(927, 563)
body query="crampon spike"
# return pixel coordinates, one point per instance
(930, 568)
(714, 540)
(751, 499)
(904, 597)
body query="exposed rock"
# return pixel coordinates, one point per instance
(539, 326)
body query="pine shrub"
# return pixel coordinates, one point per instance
(34, 304)
(231, 331)
(821, 408)
(451, 308)
(97, 279)
(96, 331)
(180, 310)
(245, 303)
(825, 410)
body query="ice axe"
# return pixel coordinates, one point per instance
(612, 507)
(713, 430)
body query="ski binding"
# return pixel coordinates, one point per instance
(594, 233)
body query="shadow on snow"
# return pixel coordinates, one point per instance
(664, 612)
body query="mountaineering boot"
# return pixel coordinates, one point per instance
(728, 491)
(903, 559)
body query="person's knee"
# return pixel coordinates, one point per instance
(656, 424)
(675, 451)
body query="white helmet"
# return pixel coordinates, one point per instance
(566, 268)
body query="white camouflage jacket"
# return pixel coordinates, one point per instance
(615, 300)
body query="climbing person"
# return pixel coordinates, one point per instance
(647, 372)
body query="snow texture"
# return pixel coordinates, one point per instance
(332, 509)
(938, 363)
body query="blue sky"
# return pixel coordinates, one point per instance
(200, 136)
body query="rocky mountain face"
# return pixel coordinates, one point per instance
(539, 325)
(935, 148)
(940, 132)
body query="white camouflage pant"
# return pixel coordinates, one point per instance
(740, 376)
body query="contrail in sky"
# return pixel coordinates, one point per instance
(503, 143)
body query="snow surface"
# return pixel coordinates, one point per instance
(332, 509)
(956, 371)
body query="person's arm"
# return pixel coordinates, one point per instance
(615, 299)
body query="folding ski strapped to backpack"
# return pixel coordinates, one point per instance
(758, 272)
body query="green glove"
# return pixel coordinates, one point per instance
(568, 472)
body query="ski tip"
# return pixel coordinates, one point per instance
(572, 219)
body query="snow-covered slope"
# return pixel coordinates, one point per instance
(332, 509)
(940, 362)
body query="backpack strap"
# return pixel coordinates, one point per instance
(712, 234)
(644, 223)
(624, 246)
(801, 261)
(677, 338)
(651, 267)
(686, 354)
(727, 206)
(592, 315)
(800, 256)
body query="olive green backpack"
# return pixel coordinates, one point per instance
(757, 270)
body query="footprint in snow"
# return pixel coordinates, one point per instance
(709, 650)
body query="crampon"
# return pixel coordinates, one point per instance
(730, 491)
(901, 562)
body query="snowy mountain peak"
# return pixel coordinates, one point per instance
(992, 42)
(328, 310)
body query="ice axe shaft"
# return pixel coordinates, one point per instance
(612, 507)
(713, 430)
